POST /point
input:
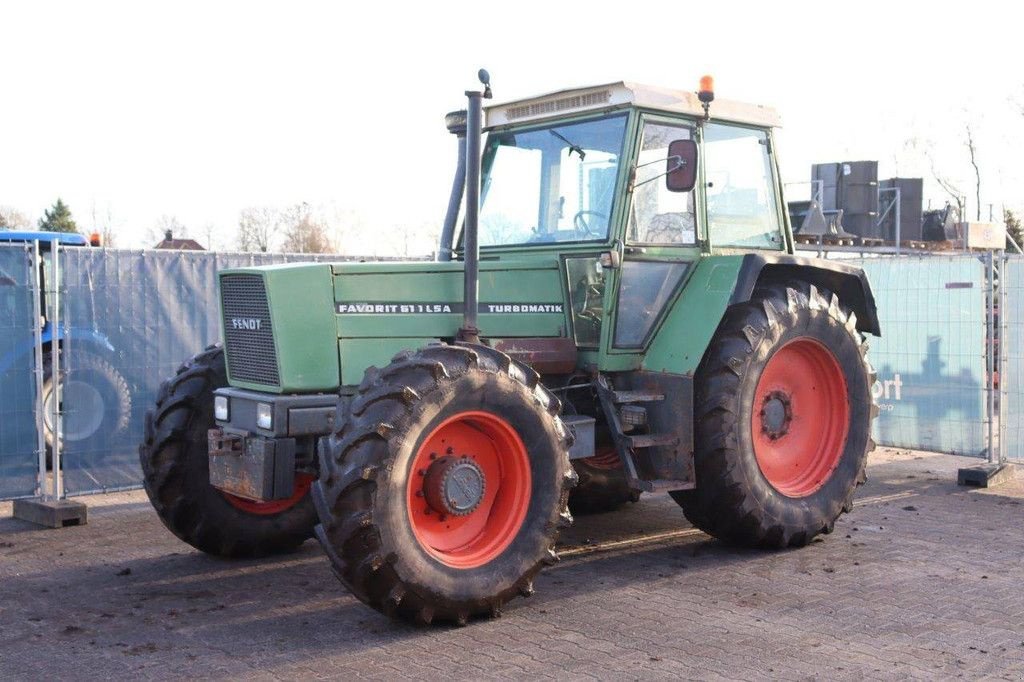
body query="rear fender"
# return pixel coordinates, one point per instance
(22, 349)
(849, 282)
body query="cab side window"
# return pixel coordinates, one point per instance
(656, 215)
(740, 195)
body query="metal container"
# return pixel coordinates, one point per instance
(911, 193)
(851, 187)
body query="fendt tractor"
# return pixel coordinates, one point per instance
(621, 313)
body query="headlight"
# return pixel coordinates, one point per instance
(264, 416)
(220, 408)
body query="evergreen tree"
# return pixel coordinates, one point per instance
(58, 219)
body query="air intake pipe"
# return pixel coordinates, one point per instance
(470, 245)
(456, 124)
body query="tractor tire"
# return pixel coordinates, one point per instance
(96, 400)
(782, 419)
(443, 492)
(176, 474)
(604, 485)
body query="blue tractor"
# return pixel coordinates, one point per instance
(95, 398)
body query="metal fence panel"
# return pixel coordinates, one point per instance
(19, 459)
(133, 317)
(931, 356)
(1010, 316)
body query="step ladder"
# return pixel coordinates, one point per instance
(627, 444)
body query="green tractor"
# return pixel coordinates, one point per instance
(622, 313)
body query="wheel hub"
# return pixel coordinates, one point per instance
(776, 415)
(454, 485)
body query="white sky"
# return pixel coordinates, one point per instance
(200, 109)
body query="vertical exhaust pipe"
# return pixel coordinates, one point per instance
(471, 254)
(456, 124)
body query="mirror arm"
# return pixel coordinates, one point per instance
(679, 164)
(679, 161)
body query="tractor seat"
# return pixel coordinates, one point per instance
(670, 228)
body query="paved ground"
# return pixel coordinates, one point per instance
(923, 579)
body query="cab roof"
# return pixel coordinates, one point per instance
(623, 94)
(64, 238)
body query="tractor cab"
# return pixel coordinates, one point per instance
(633, 190)
(46, 242)
(92, 398)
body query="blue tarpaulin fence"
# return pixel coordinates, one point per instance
(931, 357)
(135, 315)
(19, 459)
(132, 317)
(1010, 318)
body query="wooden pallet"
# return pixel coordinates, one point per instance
(824, 240)
(810, 239)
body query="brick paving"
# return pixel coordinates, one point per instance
(922, 580)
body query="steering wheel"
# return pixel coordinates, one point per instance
(582, 225)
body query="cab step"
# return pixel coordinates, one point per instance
(625, 397)
(652, 440)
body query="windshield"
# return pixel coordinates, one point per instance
(552, 184)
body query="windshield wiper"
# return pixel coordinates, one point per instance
(572, 147)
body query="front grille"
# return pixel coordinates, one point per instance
(248, 333)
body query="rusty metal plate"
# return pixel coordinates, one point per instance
(255, 468)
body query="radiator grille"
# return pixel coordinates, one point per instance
(248, 334)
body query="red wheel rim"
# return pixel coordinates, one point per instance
(302, 484)
(801, 417)
(493, 448)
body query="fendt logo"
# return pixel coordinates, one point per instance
(248, 323)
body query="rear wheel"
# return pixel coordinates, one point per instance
(443, 493)
(782, 419)
(95, 398)
(176, 474)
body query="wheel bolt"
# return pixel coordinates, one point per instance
(449, 451)
(422, 472)
(419, 493)
(433, 455)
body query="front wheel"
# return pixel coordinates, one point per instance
(442, 495)
(782, 419)
(176, 473)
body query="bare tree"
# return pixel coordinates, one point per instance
(107, 235)
(13, 219)
(972, 152)
(307, 234)
(166, 224)
(208, 230)
(257, 228)
(949, 187)
(103, 225)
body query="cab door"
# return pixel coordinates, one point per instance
(661, 242)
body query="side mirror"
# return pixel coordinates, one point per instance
(681, 171)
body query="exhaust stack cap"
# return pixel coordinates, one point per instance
(455, 122)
